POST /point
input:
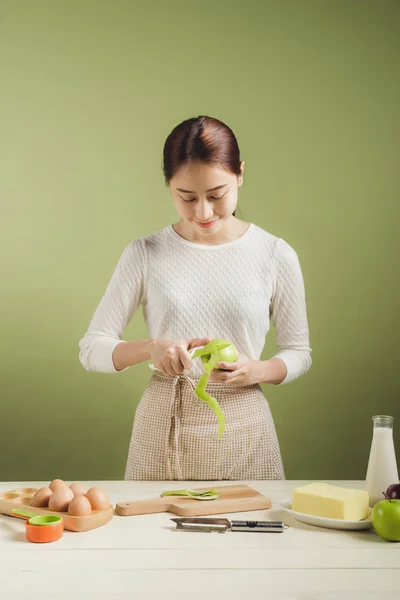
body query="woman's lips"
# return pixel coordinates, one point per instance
(206, 225)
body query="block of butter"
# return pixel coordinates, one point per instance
(331, 501)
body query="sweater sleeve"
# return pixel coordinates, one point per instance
(122, 297)
(289, 314)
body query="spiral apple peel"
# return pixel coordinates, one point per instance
(215, 351)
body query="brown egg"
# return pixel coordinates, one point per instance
(97, 498)
(60, 499)
(42, 497)
(79, 506)
(78, 489)
(57, 483)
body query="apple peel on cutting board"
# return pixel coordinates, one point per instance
(232, 499)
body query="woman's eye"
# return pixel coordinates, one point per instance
(219, 197)
(212, 198)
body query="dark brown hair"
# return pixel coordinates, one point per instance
(202, 139)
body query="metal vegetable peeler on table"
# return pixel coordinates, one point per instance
(209, 525)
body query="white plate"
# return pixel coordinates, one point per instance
(325, 522)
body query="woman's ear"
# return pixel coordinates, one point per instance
(240, 177)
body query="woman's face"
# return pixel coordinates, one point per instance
(205, 196)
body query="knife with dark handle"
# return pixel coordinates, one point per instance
(222, 525)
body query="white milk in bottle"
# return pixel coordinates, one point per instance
(382, 465)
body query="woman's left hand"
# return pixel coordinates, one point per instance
(244, 371)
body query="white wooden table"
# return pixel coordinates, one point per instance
(145, 557)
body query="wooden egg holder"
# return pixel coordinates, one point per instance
(21, 498)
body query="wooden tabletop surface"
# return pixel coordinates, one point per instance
(145, 557)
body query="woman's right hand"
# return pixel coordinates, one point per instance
(172, 356)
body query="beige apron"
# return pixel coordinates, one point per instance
(175, 435)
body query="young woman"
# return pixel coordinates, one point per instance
(210, 275)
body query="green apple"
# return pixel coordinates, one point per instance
(213, 352)
(386, 519)
(227, 352)
(217, 350)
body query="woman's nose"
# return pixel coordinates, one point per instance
(204, 211)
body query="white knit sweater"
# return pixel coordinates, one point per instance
(190, 290)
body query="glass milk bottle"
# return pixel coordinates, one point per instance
(382, 465)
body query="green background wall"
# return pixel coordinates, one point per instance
(89, 92)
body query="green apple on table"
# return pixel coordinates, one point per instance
(386, 515)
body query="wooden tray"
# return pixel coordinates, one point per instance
(233, 498)
(21, 498)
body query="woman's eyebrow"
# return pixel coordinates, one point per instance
(212, 189)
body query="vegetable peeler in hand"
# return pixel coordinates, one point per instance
(209, 525)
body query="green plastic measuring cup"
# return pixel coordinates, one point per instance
(40, 528)
(37, 519)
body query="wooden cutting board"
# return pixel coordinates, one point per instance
(233, 498)
(21, 498)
